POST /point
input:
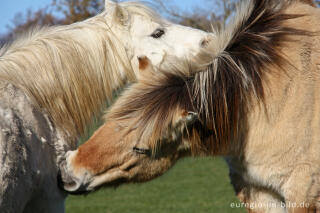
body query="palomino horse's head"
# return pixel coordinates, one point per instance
(143, 32)
(127, 149)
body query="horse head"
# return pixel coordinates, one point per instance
(143, 32)
(126, 149)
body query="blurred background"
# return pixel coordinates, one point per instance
(19, 15)
(194, 185)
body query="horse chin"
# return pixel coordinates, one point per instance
(135, 167)
(68, 181)
(69, 186)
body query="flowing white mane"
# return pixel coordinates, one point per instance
(70, 71)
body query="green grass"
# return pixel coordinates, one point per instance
(192, 186)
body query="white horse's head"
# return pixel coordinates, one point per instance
(143, 32)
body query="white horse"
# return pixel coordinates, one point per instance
(53, 80)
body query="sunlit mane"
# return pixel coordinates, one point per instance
(70, 71)
(242, 54)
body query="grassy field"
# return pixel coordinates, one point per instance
(192, 186)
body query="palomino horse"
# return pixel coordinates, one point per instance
(257, 103)
(53, 80)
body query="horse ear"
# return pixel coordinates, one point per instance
(144, 64)
(121, 15)
(188, 118)
(145, 67)
(184, 120)
(109, 3)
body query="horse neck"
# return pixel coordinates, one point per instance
(69, 71)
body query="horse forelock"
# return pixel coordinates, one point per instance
(244, 52)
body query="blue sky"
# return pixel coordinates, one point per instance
(9, 8)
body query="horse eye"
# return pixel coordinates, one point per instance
(157, 33)
(142, 151)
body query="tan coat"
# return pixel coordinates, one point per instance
(281, 156)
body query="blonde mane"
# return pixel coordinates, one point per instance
(71, 71)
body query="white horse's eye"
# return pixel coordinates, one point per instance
(157, 33)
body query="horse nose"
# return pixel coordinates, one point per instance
(67, 182)
(206, 40)
(70, 187)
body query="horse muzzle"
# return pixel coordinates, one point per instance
(69, 182)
